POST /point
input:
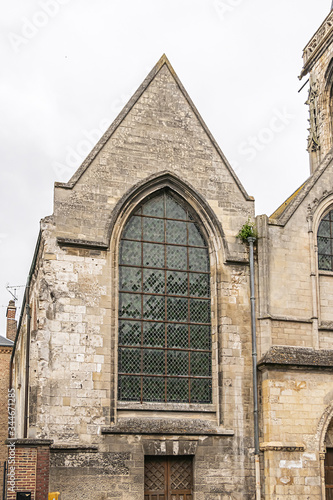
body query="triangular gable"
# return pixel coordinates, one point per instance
(282, 215)
(145, 84)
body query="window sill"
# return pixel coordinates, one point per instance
(325, 273)
(182, 407)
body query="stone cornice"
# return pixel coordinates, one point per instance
(175, 427)
(297, 357)
(73, 448)
(312, 49)
(29, 442)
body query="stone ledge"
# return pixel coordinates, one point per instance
(326, 325)
(297, 357)
(162, 426)
(165, 407)
(100, 245)
(29, 442)
(288, 319)
(73, 448)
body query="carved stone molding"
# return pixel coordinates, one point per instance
(172, 447)
(276, 447)
(317, 40)
(312, 207)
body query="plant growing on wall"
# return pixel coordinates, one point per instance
(248, 230)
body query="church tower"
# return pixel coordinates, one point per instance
(318, 64)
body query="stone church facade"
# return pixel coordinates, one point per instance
(132, 364)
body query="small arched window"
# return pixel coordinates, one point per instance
(164, 336)
(325, 242)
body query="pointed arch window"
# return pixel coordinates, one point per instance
(325, 242)
(164, 336)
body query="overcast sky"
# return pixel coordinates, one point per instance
(69, 66)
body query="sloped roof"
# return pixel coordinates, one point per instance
(279, 211)
(282, 215)
(5, 342)
(122, 115)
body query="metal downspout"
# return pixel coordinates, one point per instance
(27, 364)
(251, 241)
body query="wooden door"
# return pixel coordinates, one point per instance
(329, 474)
(168, 478)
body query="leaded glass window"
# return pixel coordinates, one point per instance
(164, 306)
(325, 243)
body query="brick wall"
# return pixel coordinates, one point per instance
(11, 322)
(32, 465)
(25, 472)
(5, 353)
(43, 471)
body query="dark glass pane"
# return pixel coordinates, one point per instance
(129, 305)
(177, 309)
(130, 279)
(143, 284)
(200, 311)
(199, 285)
(177, 390)
(324, 246)
(174, 210)
(327, 216)
(176, 257)
(177, 363)
(201, 364)
(194, 235)
(201, 391)
(153, 229)
(154, 207)
(153, 362)
(130, 253)
(153, 389)
(129, 360)
(132, 229)
(176, 283)
(129, 388)
(153, 334)
(129, 333)
(176, 232)
(178, 336)
(324, 228)
(198, 259)
(153, 281)
(153, 307)
(325, 263)
(153, 255)
(200, 337)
